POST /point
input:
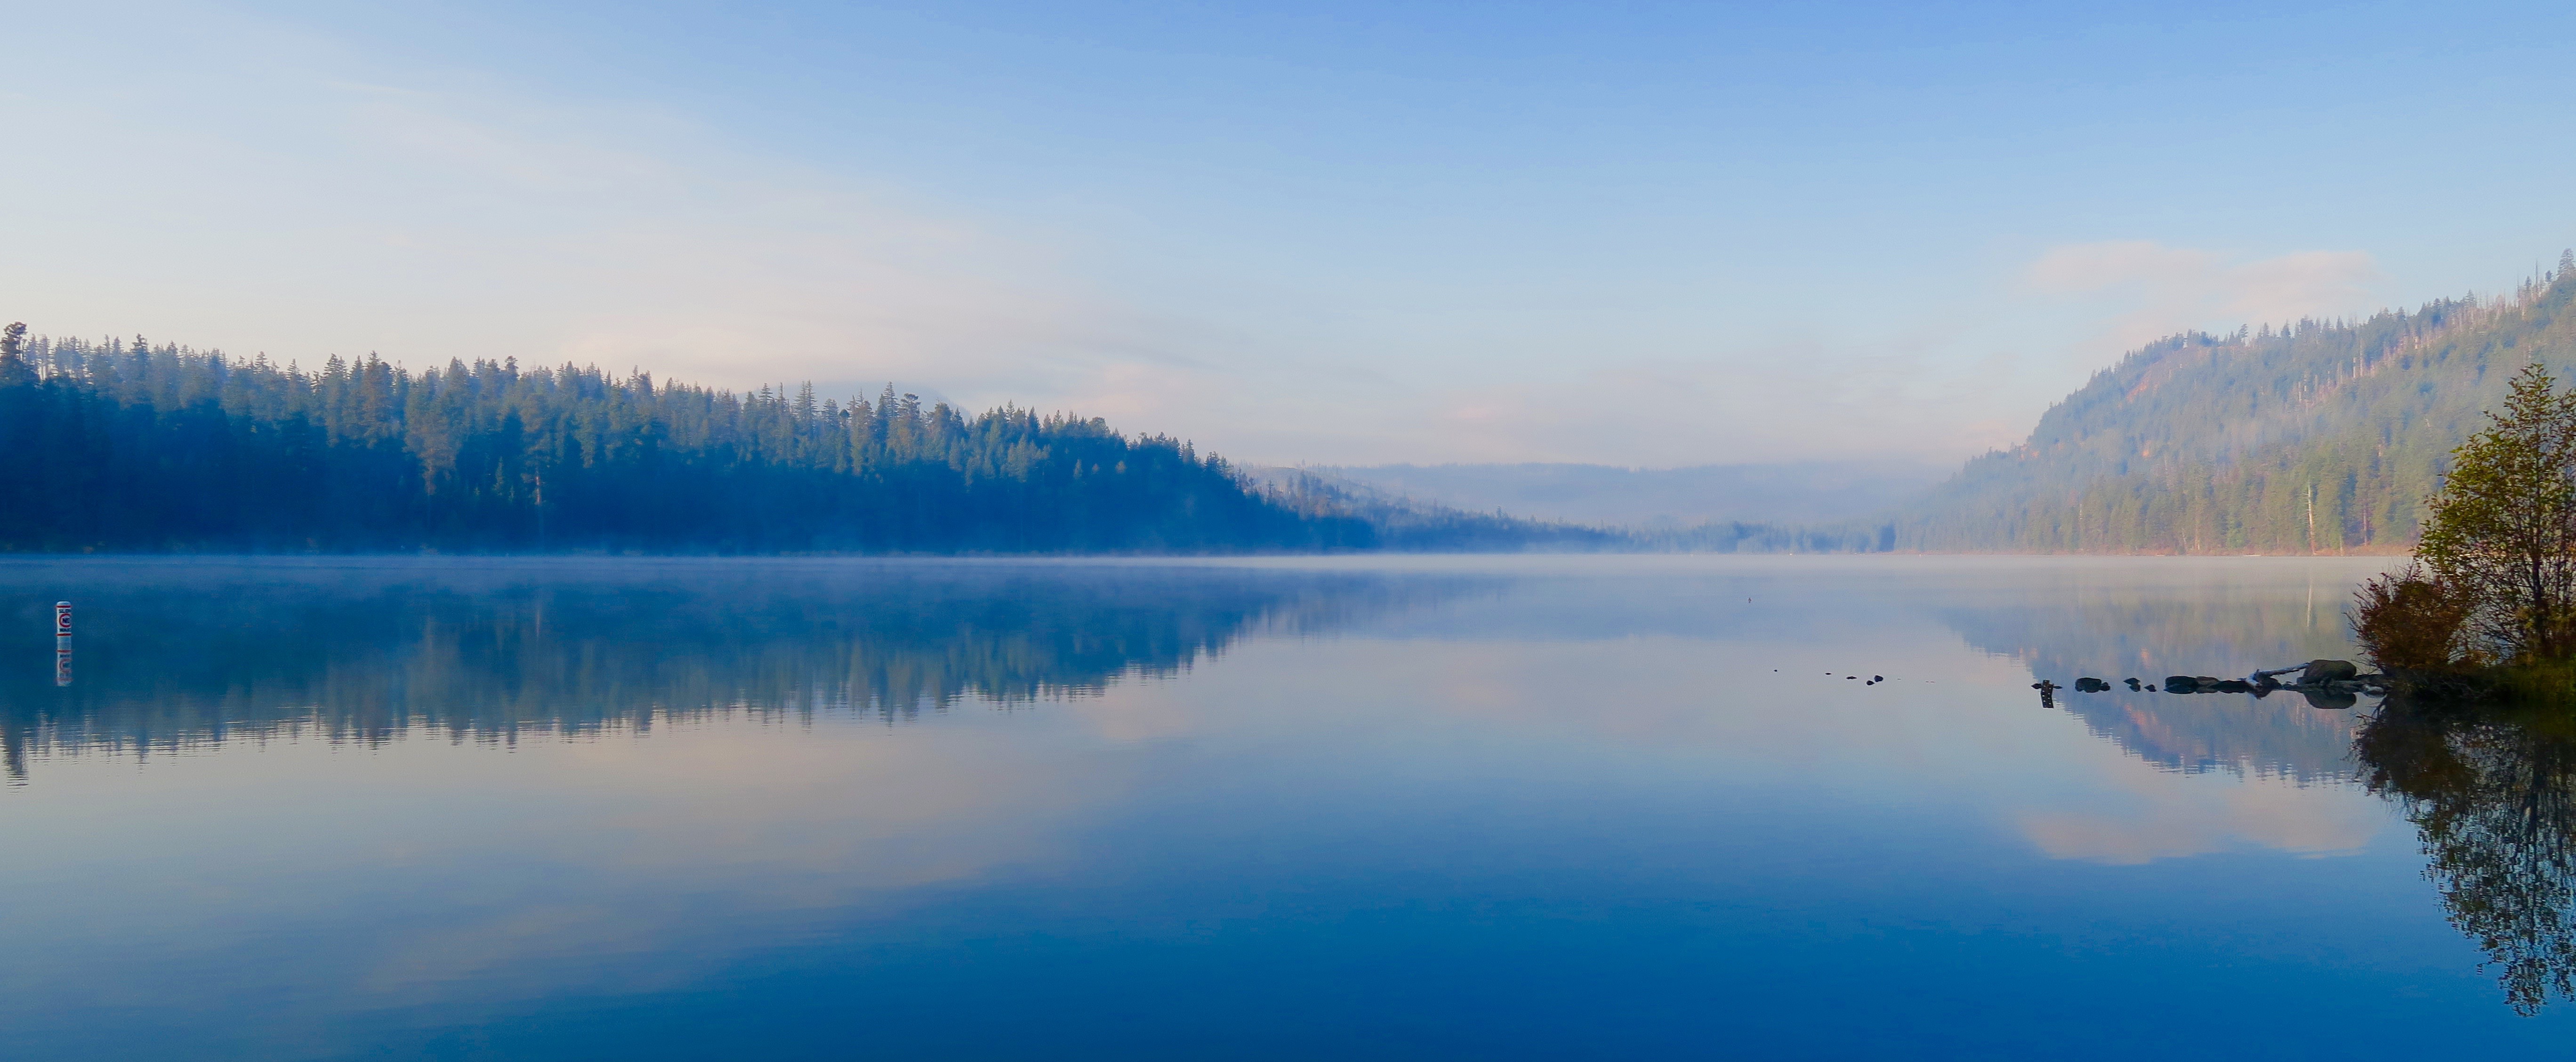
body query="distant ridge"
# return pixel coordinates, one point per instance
(1802, 492)
(1402, 521)
(2317, 437)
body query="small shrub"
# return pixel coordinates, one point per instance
(2408, 623)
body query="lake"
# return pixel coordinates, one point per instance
(1463, 807)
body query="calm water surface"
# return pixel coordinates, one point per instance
(1453, 807)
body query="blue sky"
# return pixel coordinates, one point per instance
(1641, 234)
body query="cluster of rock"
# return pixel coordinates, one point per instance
(2325, 683)
(2336, 676)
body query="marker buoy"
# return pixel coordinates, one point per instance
(62, 643)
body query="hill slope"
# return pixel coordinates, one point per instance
(2322, 437)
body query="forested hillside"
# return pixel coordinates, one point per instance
(2318, 437)
(137, 447)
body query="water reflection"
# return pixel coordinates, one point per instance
(1535, 808)
(2492, 792)
(2138, 621)
(179, 654)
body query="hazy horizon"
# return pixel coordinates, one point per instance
(1784, 492)
(1624, 530)
(1342, 234)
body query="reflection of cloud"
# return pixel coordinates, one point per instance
(772, 822)
(1144, 711)
(2163, 290)
(2167, 816)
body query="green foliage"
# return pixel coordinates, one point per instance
(163, 448)
(2406, 623)
(2320, 437)
(2502, 534)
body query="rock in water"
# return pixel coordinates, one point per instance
(2089, 684)
(2328, 699)
(2234, 686)
(2181, 684)
(2319, 672)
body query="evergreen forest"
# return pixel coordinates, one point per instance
(138, 447)
(2311, 437)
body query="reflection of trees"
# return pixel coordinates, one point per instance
(2493, 794)
(171, 655)
(2116, 624)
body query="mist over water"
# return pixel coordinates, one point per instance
(1280, 808)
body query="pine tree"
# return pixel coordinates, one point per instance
(14, 370)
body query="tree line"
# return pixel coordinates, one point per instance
(132, 446)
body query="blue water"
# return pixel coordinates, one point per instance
(1353, 808)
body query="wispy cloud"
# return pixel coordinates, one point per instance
(289, 192)
(334, 204)
(2143, 290)
(2140, 815)
(1934, 389)
(1784, 402)
(680, 254)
